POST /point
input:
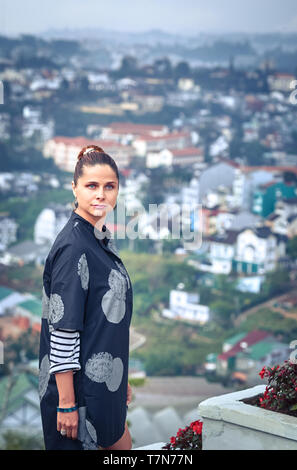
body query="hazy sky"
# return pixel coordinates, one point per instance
(180, 16)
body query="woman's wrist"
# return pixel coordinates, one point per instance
(66, 404)
(67, 409)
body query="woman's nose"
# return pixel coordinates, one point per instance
(100, 193)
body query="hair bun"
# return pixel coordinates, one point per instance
(90, 148)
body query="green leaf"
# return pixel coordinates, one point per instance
(293, 407)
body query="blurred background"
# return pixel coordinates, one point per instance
(197, 104)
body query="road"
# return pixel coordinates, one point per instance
(268, 304)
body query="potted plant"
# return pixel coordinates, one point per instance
(258, 418)
(280, 394)
(189, 438)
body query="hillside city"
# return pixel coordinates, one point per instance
(213, 133)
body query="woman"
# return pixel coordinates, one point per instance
(87, 308)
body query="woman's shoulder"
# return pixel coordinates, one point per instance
(69, 242)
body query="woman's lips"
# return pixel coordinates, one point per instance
(99, 206)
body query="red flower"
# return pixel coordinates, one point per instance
(262, 372)
(196, 426)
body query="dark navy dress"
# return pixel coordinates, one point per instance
(87, 288)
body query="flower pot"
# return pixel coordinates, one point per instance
(231, 424)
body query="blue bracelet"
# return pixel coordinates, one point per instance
(67, 410)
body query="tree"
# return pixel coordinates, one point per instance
(292, 248)
(224, 311)
(128, 66)
(17, 440)
(182, 70)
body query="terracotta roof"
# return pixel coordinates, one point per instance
(251, 338)
(273, 169)
(172, 135)
(83, 142)
(187, 151)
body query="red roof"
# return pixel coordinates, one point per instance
(273, 169)
(22, 322)
(252, 337)
(187, 151)
(125, 171)
(172, 135)
(83, 142)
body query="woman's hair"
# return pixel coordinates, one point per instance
(93, 155)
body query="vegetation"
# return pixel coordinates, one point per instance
(17, 440)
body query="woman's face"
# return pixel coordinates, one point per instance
(96, 193)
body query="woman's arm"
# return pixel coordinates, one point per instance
(64, 361)
(67, 421)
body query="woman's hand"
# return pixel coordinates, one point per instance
(129, 394)
(69, 422)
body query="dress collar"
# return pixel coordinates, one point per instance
(106, 242)
(74, 216)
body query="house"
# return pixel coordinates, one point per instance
(250, 284)
(126, 132)
(250, 353)
(9, 298)
(283, 220)
(31, 309)
(250, 131)
(130, 193)
(185, 306)
(257, 251)
(64, 151)
(190, 192)
(221, 252)
(8, 231)
(221, 174)
(25, 252)
(147, 103)
(239, 219)
(49, 223)
(176, 157)
(246, 181)
(226, 361)
(174, 140)
(250, 250)
(280, 81)
(19, 404)
(266, 196)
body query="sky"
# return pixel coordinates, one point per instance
(174, 16)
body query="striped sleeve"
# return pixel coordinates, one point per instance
(64, 351)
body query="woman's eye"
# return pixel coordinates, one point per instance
(107, 186)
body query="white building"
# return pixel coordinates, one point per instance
(185, 306)
(8, 231)
(179, 157)
(126, 132)
(174, 140)
(64, 151)
(246, 251)
(49, 223)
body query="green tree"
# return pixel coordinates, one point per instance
(17, 440)
(292, 247)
